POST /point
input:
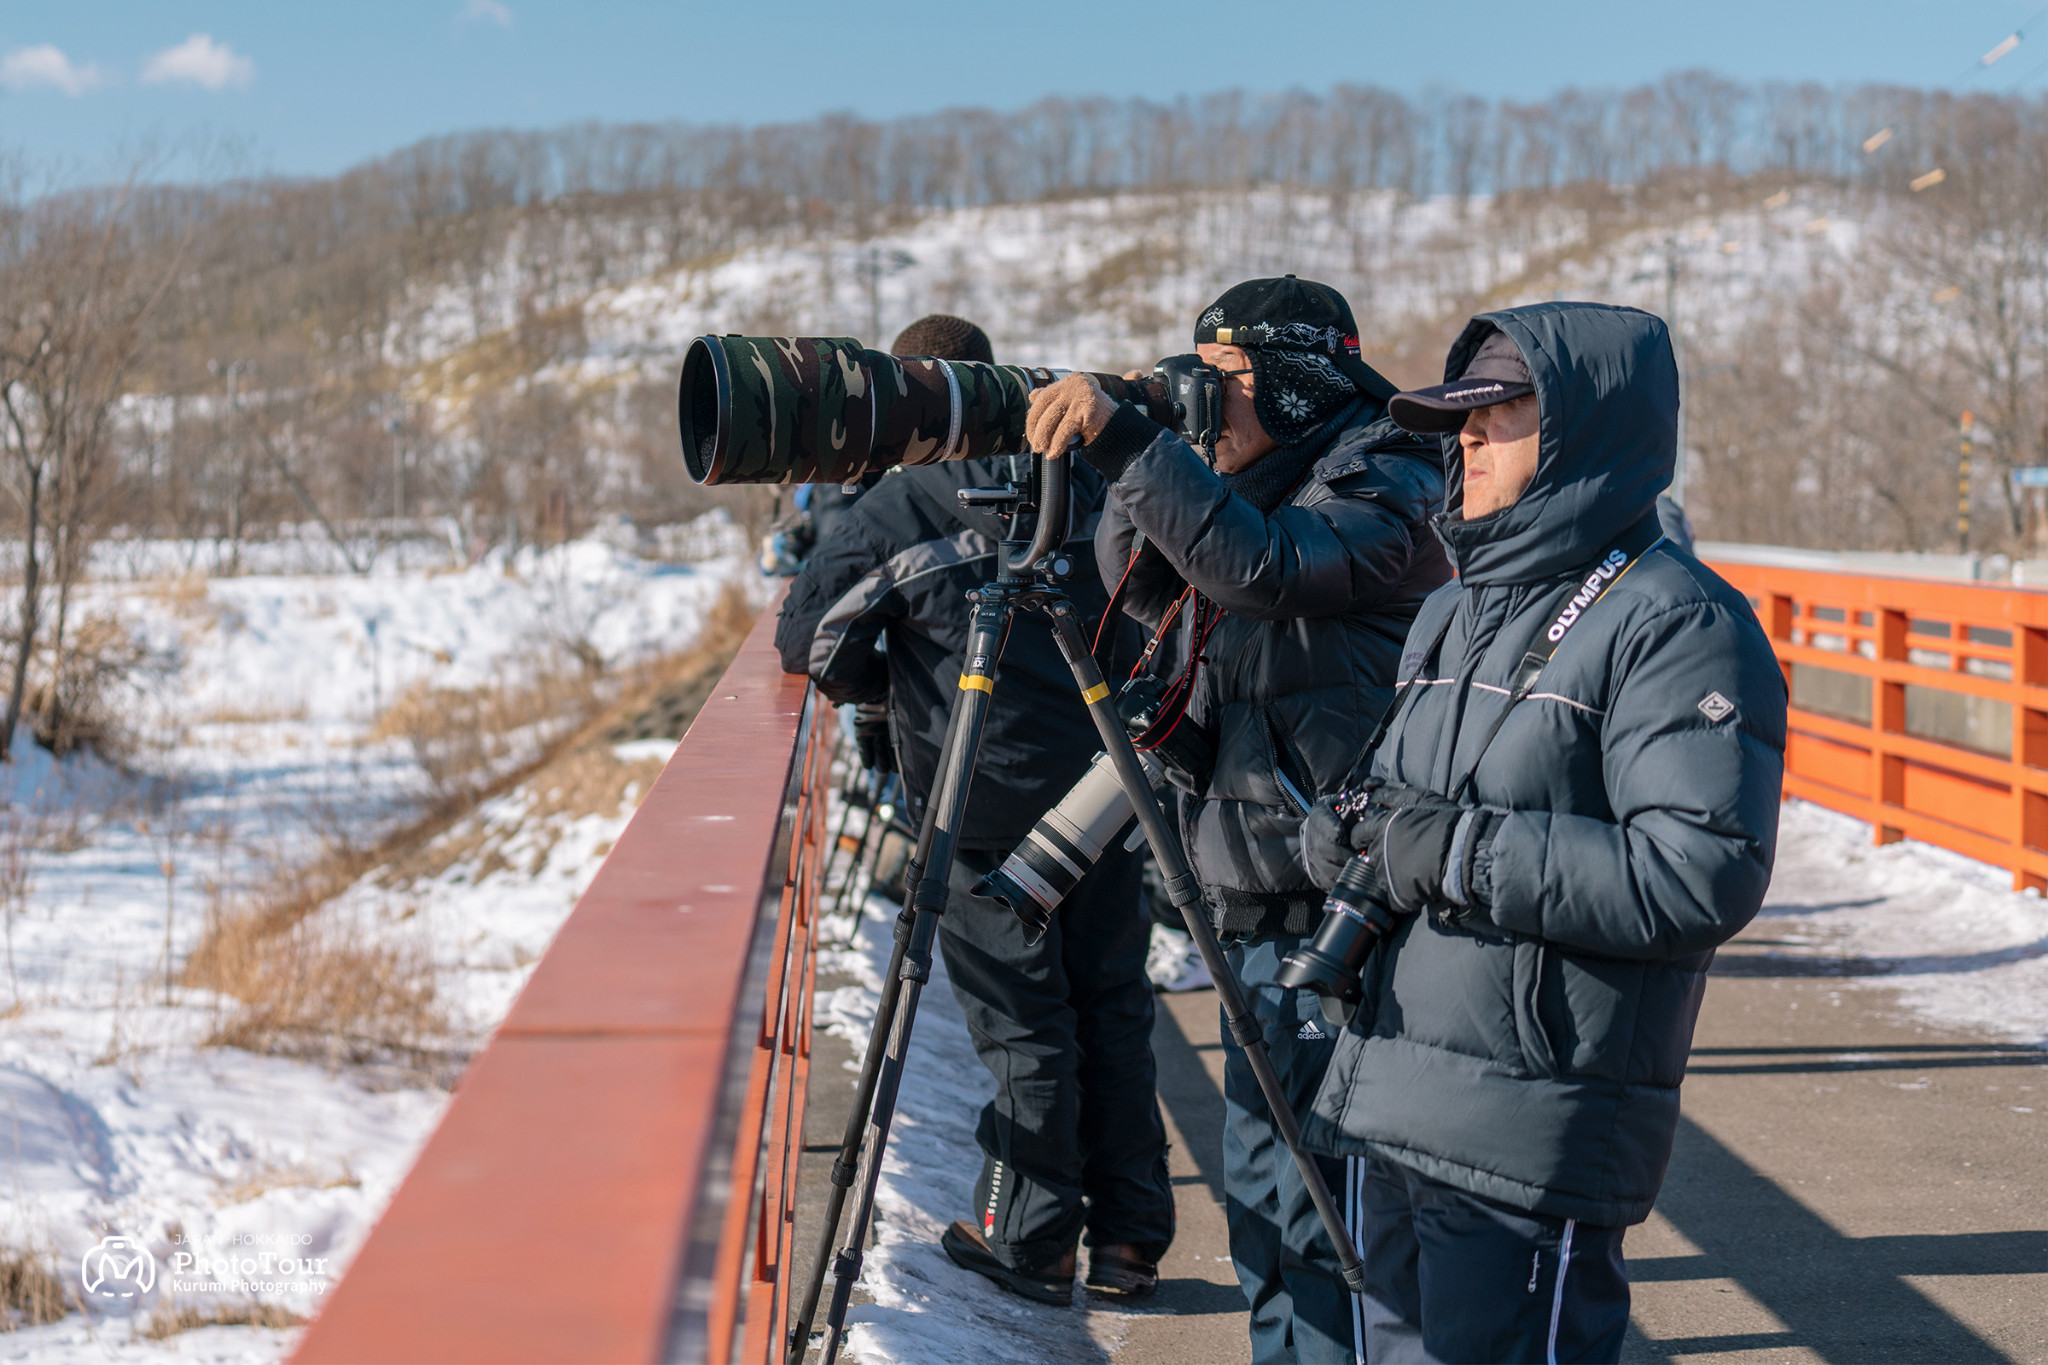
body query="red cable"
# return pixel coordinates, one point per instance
(1108, 610)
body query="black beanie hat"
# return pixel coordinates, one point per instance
(1303, 347)
(945, 337)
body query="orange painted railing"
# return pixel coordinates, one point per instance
(615, 1178)
(1920, 707)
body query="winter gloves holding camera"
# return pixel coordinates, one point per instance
(1423, 849)
(1073, 409)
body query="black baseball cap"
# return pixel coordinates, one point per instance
(1290, 314)
(1497, 374)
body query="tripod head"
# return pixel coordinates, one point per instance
(1040, 503)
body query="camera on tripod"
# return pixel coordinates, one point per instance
(828, 410)
(1071, 838)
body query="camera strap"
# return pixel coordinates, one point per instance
(1609, 570)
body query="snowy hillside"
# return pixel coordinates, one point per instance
(1113, 281)
(269, 749)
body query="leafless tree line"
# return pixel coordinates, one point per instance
(1836, 421)
(209, 363)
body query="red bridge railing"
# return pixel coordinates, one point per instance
(1920, 707)
(615, 1178)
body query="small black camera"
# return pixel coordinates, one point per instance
(1184, 745)
(1194, 391)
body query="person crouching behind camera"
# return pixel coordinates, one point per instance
(1574, 804)
(1073, 1138)
(1286, 574)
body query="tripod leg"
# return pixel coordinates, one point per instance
(1181, 888)
(884, 814)
(845, 815)
(929, 871)
(846, 1167)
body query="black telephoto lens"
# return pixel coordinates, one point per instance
(1330, 964)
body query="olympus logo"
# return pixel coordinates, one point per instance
(1595, 584)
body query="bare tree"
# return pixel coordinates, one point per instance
(80, 276)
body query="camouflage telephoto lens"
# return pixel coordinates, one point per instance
(828, 410)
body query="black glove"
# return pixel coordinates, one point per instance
(1326, 842)
(1412, 837)
(871, 738)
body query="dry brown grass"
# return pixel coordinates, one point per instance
(467, 738)
(187, 595)
(310, 989)
(293, 1176)
(169, 1322)
(31, 1294)
(83, 699)
(304, 986)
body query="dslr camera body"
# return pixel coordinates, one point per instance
(1194, 398)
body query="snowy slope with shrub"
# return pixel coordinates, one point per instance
(208, 1092)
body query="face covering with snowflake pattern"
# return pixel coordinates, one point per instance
(1294, 392)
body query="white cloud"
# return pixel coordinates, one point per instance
(496, 11)
(199, 61)
(43, 66)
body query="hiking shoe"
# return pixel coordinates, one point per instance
(1053, 1283)
(1172, 963)
(1118, 1272)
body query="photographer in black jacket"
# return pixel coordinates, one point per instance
(1287, 573)
(1574, 805)
(1073, 1138)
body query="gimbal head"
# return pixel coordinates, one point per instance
(1043, 495)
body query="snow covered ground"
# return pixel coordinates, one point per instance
(259, 748)
(1961, 949)
(924, 1308)
(1949, 935)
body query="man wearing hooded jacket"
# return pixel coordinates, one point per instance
(1291, 568)
(1574, 803)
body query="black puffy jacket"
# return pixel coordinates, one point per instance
(1316, 596)
(880, 611)
(1530, 1050)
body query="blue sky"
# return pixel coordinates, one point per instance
(312, 86)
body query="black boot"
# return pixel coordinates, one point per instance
(1051, 1283)
(1119, 1272)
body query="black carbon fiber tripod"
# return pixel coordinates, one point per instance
(1028, 578)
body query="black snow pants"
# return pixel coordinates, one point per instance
(1451, 1277)
(1073, 1138)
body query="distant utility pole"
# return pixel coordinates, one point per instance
(1678, 359)
(396, 426)
(1963, 489)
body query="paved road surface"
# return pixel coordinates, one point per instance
(1849, 1185)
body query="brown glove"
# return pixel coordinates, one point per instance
(1074, 409)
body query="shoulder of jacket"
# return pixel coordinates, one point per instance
(1378, 456)
(1669, 581)
(1440, 603)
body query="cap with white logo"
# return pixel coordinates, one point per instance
(1497, 374)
